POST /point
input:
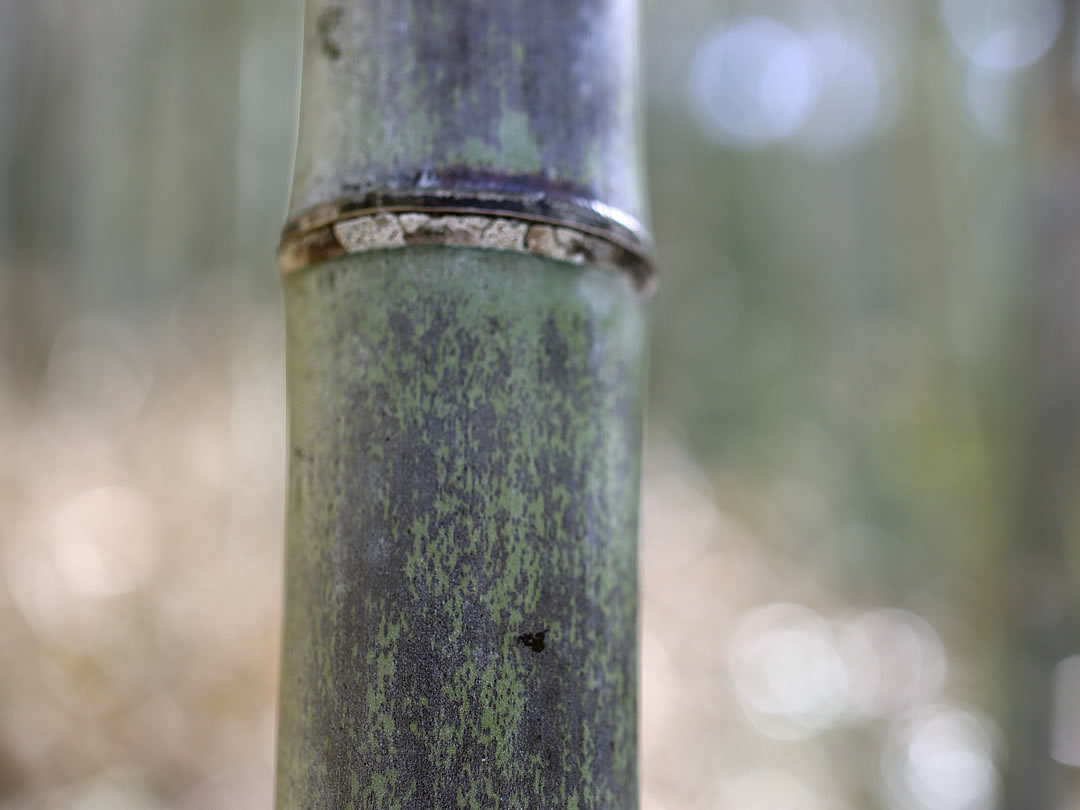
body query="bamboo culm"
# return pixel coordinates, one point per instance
(465, 399)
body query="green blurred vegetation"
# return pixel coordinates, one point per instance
(859, 548)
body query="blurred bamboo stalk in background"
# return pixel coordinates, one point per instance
(1041, 604)
(464, 282)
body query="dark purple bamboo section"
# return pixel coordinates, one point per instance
(535, 99)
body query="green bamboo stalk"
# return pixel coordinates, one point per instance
(464, 274)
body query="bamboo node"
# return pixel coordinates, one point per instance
(333, 231)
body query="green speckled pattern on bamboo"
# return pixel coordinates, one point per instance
(460, 621)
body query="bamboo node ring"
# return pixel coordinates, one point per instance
(593, 234)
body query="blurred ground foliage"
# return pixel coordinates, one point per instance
(859, 549)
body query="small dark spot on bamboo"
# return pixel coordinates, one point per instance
(327, 27)
(535, 641)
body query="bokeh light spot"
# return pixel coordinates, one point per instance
(1005, 35)
(789, 677)
(1066, 712)
(753, 83)
(768, 790)
(98, 377)
(850, 103)
(940, 758)
(895, 659)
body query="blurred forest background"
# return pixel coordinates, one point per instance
(860, 539)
